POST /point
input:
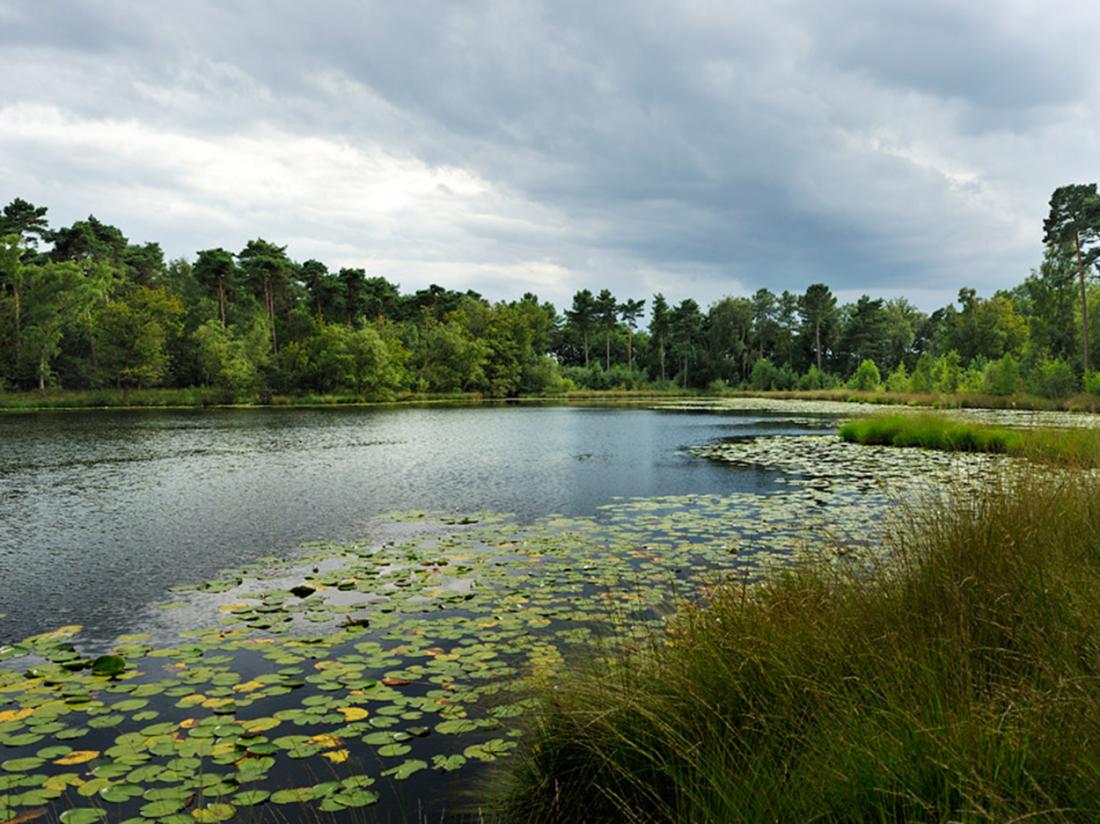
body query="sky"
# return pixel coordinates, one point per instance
(699, 149)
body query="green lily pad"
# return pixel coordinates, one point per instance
(109, 665)
(406, 768)
(83, 815)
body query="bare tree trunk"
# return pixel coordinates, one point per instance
(817, 338)
(269, 296)
(1084, 307)
(18, 323)
(629, 349)
(661, 354)
(221, 300)
(607, 350)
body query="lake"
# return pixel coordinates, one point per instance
(338, 607)
(100, 512)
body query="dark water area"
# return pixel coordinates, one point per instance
(101, 512)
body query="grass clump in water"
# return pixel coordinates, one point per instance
(1071, 447)
(960, 683)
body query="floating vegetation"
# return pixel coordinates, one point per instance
(847, 409)
(338, 678)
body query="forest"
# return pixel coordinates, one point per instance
(82, 307)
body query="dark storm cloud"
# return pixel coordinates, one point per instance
(502, 145)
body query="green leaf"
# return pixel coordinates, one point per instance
(83, 815)
(406, 768)
(108, 665)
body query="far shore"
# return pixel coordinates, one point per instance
(204, 398)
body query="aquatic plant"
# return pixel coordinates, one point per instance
(961, 682)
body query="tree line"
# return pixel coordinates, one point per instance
(81, 306)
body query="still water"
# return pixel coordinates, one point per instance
(101, 512)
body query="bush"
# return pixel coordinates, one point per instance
(1002, 377)
(764, 376)
(898, 381)
(866, 378)
(1055, 379)
(1092, 383)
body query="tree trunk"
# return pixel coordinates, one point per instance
(607, 351)
(817, 340)
(18, 323)
(585, 350)
(661, 355)
(221, 300)
(269, 298)
(42, 372)
(1084, 307)
(629, 349)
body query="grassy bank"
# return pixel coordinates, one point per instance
(961, 400)
(202, 397)
(199, 397)
(1070, 447)
(960, 684)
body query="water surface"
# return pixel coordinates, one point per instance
(101, 512)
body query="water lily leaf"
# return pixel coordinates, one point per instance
(77, 757)
(161, 809)
(249, 798)
(213, 813)
(393, 750)
(406, 768)
(109, 665)
(294, 796)
(337, 756)
(83, 815)
(119, 793)
(22, 764)
(448, 763)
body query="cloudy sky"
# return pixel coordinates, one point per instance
(694, 148)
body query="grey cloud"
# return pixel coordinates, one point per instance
(868, 145)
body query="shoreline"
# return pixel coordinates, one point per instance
(196, 398)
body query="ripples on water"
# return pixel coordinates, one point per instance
(101, 512)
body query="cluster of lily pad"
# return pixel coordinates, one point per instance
(338, 677)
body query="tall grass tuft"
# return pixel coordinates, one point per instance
(1078, 447)
(959, 683)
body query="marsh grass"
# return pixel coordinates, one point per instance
(958, 683)
(1078, 447)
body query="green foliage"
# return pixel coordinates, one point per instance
(866, 377)
(1092, 383)
(898, 380)
(1054, 379)
(818, 309)
(816, 379)
(230, 358)
(1002, 376)
(956, 686)
(931, 432)
(1072, 447)
(447, 358)
(131, 336)
(519, 347)
(765, 376)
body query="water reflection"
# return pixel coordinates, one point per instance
(101, 512)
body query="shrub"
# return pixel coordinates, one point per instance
(764, 375)
(1002, 377)
(1055, 379)
(866, 377)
